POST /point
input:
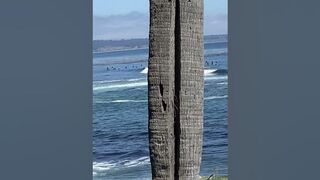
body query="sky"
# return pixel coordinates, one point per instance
(127, 19)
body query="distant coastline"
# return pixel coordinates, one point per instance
(108, 46)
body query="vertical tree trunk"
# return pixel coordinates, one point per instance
(190, 90)
(161, 88)
(175, 88)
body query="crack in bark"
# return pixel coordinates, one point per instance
(161, 89)
(164, 104)
(177, 88)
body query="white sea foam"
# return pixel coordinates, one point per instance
(137, 79)
(106, 81)
(209, 71)
(117, 80)
(206, 71)
(115, 86)
(215, 77)
(120, 101)
(106, 87)
(144, 71)
(110, 85)
(222, 83)
(215, 97)
(128, 101)
(102, 168)
(137, 162)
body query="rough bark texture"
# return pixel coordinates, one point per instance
(161, 88)
(189, 140)
(175, 88)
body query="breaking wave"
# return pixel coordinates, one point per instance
(206, 71)
(105, 167)
(118, 86)
(216, 97)
(128, 101)
(144, 71)
(223, 83)
(111, 85)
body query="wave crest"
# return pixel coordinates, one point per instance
(215, 97)
(127, 100)
(104, 167)
(206, 71)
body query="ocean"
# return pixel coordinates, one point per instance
(120, 114)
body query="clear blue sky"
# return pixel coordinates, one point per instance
(127, 19)
(113, 7)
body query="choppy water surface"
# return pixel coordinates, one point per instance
(120, 134)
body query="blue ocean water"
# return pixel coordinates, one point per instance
(120, 114)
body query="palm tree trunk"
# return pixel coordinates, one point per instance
(190, 90)
(161, 88)
(175, 88)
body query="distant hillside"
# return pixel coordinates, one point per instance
(100, 46)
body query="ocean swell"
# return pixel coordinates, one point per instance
(105, 167)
